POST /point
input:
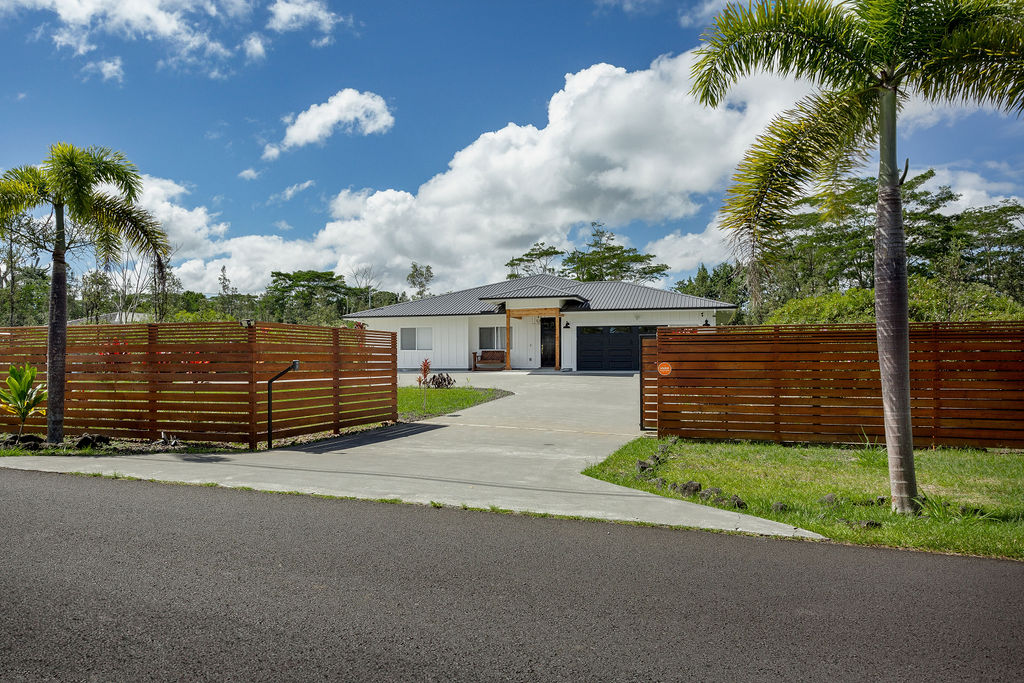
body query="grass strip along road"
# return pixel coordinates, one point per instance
(974, 499)
(103, 579)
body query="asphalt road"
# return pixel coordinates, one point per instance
(119, 580)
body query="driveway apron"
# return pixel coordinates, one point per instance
(523, 453)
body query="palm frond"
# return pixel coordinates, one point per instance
(69, 174)
(982, 63)
(887, 23)
(812, 39)
(131, 224)
(21, 189)
(933, 23)
(114, 168)
(813, 143)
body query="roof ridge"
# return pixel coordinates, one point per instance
(554, 289)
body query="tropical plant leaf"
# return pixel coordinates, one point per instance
(117, 221)
(982, 63)
(113, 167)
(812, 39)
(811, 143)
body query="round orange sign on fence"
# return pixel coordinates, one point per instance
(664, 369)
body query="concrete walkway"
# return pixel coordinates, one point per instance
(523, 453)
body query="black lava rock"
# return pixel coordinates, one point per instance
(659, 483)
(85, 441)
(828, 499)
(690, 488)
(710, 493)
(738, 502)
(779, 506)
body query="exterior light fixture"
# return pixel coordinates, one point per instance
(566, 326)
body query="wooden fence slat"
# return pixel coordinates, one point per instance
(821, 384)
(208, 380)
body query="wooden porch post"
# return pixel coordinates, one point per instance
(508, 339)
(558, 341)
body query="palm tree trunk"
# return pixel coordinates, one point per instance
(892, 327)
(10, 268)
(57, 334)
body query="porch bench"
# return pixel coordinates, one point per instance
(488, 360)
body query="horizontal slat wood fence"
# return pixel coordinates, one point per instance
(208, 381)
(803, 383)
(648, 382)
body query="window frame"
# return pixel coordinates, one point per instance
(499, 336)
(417, 339)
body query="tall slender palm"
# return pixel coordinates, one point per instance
(97, 189)
(866, 58)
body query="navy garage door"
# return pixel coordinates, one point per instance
(609, 348)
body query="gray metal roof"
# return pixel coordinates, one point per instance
(596, 296)
(534, 292)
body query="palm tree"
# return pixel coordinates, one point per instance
(865, 58)
(96, 189)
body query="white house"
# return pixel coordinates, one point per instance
(544, 320)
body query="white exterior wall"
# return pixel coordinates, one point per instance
(455, 338)
(525, 338)
(514, 304)
(606, 318)
(450, 347)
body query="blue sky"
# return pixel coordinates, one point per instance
(333, 135)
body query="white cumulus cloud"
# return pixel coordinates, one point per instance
(292, 15)
(683, 252)
(185, 27)
(191, 232)
(195, 33)
(249, 174)
(350, 110)
(107, 69)
(618, 146)
(975, 190)
(289, 192)
(255, 47)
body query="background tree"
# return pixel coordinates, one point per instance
(165, 293)
(540, 259)
(864, 57)
(603, 259)
(364, 279)
(304, 296)
(98, 295)
(419, 278)
(929, 301)
(726, 282)
(96, 188)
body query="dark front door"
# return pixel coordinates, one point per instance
(547, 342)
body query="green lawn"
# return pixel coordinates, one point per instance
(974, 499)
(441, 401)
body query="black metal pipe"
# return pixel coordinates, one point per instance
(270, 401)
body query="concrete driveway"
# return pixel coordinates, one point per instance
(524, 453)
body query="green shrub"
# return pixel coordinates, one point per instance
(22, 397)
